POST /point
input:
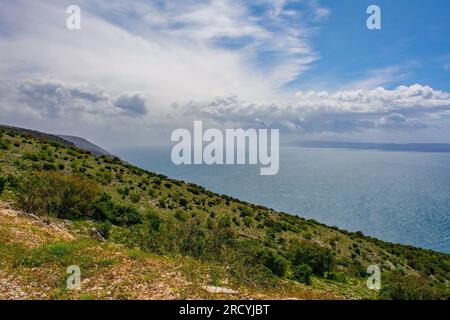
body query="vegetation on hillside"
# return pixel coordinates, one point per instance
(241, 243)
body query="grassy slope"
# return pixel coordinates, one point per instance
(34, 255)
(133, 186)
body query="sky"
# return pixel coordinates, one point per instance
(136, 70)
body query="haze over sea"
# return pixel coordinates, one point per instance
(401, 197)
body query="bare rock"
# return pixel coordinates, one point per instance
(215, 289)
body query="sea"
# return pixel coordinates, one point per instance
(401, 197)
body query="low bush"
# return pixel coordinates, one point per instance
(135, 197)
(2, 184)
(4, 144)
(246, 212)
(302, 273)
(162, 203)
(275, 262)
(248, 221)
(180, 215)
(105, 209)
(320, 259)
(30, 156)
(225, 222)
(48, 166)
(104, 229)
(410, 287)
(55, 194)
(336, 276)
(183, 202)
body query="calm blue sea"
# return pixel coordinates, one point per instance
(401, 197)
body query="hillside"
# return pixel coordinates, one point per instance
(143, 235)
(63, 140)
(86, 145)
(39, 250)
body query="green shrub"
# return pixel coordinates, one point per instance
(104, 177)
(105, 209)
(320, 259)
(194, 190)
(225, 222)
(56, 194)
(246, 212)
(135, 198)
(180, 215)
(48, 166)
(4, 144)
(152, 193)
(336, 276)
(248, 221)
(104, 229)
(30, 156)
(154, 221)
(183, 202)
(12, 182)
(162, 203)
(2, 184)
(123, 191)
(302, 273)
(275, 262)
(410, 287)
(125, 215)
(355, 268)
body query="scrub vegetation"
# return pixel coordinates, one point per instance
(122, 220)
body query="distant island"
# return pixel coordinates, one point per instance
(405, 147)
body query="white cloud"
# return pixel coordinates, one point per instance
(380, 77)
(54, 99)
(339, 111)
(167, 52)
(133, 60)
(165, 49)
(398, 121)
(319, 11)
(403, 108)
(134, 104)
(375, 100)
